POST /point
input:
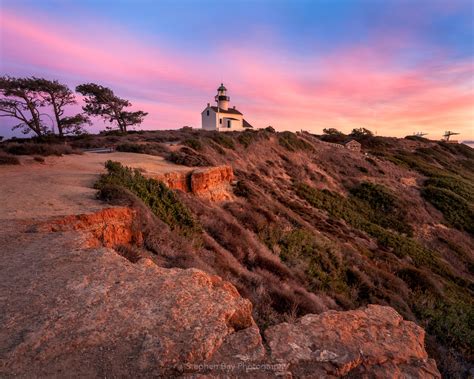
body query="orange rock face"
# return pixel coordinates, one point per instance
(109, 227)
(175, 180)
(212, 183)
(374, 342)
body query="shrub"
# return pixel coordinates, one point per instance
(223, 140)
(6, 159)
(162, 201)
(139, 148)
(291, 142)
(39, 159)
(188, 157)
(457, 211)
(357, 216)
(132, 148)
(247, 137)
(376, 195)
(242, 189)
(39, 149)
(193, 143)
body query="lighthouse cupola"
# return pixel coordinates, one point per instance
(222, 98)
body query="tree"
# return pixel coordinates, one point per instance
(101, 101)
(361, 132)
(21, 100)
(59, 95)
(332, 132)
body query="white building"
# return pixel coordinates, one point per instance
(221, 117)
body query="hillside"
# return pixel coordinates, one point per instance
(302, 226)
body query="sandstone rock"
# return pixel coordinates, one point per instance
(74, 312)
(108, 227)
(374, 342)
(175, 180)
(212, 183)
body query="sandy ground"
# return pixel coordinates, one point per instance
(63, 185)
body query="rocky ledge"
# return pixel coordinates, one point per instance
(75, 309)
(212, 183)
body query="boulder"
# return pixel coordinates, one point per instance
(374, 342)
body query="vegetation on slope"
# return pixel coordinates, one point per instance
(315, 228)
(162, 201)
(449, 186)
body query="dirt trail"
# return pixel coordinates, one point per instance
(63, 185)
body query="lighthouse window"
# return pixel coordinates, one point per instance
(207, 112)
(220, 121)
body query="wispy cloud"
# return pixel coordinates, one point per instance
(369, 85)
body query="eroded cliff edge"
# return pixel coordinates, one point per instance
(74, 307)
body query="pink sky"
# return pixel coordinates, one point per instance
(352, 86)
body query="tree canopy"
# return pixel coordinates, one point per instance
(58, 96)
(28, 100)
(361, 132)
(101, 101)
(21, 101)
(332, 132)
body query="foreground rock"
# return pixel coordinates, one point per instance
(72, 307)
(374, 342)
(68, 311)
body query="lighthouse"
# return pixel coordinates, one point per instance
(221, 118)
(222, 98)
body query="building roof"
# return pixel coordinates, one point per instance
(245, 124)
(222, 88)
(351, 141)
(231, 110)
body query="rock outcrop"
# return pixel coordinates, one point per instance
(108, 227)
(374, 342)
(212, 183)
(70, 309)
(75, 312)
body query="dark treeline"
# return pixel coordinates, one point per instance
(39, 106)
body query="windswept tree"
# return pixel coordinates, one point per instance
(20, 100)
(361, 132)
(332, 132)
(101, 101)
(58, 96)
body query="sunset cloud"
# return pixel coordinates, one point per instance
(370, 84)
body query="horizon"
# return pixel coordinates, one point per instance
(395, 68)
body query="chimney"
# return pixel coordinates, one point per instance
(233, 107)
(208, 105)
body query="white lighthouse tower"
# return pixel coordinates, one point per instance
(222, 118)
(222, 98)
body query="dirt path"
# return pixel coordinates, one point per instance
(63, 185)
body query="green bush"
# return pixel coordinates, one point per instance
(247, 137)
(160, 199)
(359, 216)
(457, 211)
(42, 149)
(291, 142)
(188, 157)
(193, 143)
(223, 140)
(449, 185)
